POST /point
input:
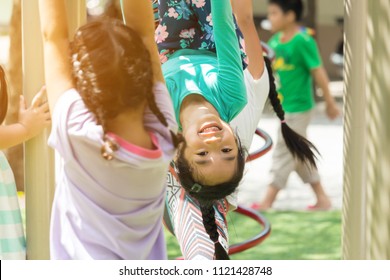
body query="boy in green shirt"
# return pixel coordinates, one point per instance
(297, 62)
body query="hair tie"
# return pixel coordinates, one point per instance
(196, 188)
(215, 242)
(283, 121)
(109, 148)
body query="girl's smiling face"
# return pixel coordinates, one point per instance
(211, 150)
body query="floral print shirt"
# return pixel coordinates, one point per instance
(187, 24)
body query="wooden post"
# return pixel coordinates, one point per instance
(366, 205)
(39, 158)
(378, 130)
(355, 139)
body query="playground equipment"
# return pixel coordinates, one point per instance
(366, 196)
(264, 224)
(264, 149)
(39, 159)
(257, 239)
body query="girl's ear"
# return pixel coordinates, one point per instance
(178, 140)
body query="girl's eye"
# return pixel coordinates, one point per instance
(202, 154)
(226, 150)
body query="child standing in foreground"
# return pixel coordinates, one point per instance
(296, 63)
(114, 128)
(31, 122)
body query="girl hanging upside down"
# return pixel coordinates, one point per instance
(214, 100)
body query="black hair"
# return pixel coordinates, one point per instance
(296, 6)
(208, 217)
(300, 147)
(208, 195)
(3, 95)
(112, 72)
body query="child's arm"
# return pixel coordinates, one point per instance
(322, 80)
(31, 122)
(230, 77)
(54, 27)
(312, 60)
(12, 135)
(243, 10)
(139, 16)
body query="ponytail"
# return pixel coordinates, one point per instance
(208, 216)
(300, 147)
(3, 96)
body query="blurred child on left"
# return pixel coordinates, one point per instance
(31, 122)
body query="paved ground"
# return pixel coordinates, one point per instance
(327, 136)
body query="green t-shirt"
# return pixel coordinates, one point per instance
(293, 63)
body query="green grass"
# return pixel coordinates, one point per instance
(294, 236)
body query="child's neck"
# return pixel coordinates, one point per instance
(289, 32)
(130, 127)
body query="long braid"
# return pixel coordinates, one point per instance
(153, 106)
(109, 146)
(86, 82)
(299, 146)
(273, 95)
(208, 216)
(3, 95)
(176, 139)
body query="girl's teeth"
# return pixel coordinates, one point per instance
(211, 129)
